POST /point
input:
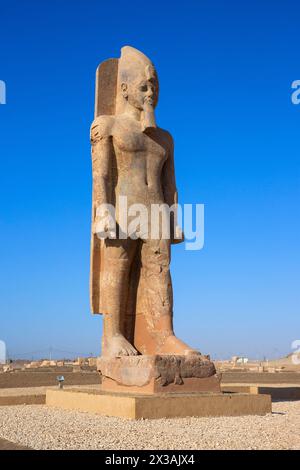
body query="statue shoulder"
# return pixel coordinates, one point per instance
(167, 136)
(101, 127)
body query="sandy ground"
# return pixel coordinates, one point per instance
(41, 378)
(38, 378)
(11, 392)
(42, 428)
(261, 378)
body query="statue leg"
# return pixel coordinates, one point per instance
(155, 256)
(118, 257)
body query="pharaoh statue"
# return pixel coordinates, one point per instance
(132, 161)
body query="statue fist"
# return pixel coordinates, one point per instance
(104, 225)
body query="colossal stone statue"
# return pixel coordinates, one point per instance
(132, 161)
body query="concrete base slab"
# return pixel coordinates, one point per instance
(276, 391)
(31, 395)
(23, 400)
(169, 405)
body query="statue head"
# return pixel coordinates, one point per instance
(137, 79)
(130, 80)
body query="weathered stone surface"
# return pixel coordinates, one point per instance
(132, 158)
(153, 374)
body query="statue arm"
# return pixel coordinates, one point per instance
(168, 177)
(102, 148)
(170, 191)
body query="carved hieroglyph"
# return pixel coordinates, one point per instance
(132, 157)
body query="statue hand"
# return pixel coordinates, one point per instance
(104, 227)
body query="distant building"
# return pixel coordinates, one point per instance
(239, 360)
(242, 360)
(2, 352)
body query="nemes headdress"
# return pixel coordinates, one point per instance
(134, 64)
(131, 66)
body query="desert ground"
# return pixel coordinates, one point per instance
(35, 426)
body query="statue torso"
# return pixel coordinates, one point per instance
(139, 161)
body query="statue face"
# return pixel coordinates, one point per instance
(141, 91)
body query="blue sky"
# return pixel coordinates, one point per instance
(225, 71)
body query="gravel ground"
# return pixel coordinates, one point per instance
(40, 427)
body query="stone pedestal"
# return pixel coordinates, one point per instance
(158, 374)
(160, 405)
(159, 386)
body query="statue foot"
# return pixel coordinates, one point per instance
(173, 345)
(117, 345)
